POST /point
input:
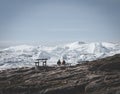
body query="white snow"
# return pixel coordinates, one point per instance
(25, 55)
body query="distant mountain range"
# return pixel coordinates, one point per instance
(76, 52)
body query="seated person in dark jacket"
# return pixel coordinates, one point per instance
(59, 62)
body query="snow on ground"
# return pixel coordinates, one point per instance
(25, 55)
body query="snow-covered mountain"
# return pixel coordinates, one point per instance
(24, 55)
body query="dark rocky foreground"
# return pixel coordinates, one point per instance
(96, 77)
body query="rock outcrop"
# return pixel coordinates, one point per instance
(95, 77)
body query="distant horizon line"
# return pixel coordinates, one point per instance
(5, 44)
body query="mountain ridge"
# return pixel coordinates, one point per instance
(24, 55)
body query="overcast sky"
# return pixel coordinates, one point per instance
(59, 20)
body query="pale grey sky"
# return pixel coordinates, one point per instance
(59, 20)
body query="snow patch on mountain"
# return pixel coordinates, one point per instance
(25, 55)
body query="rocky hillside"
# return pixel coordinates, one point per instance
(96, 77)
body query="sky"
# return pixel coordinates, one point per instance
(59, 20)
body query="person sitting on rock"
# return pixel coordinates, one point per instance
(63, 63)
(59, 62)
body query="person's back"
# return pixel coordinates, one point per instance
(63, 63)
(59, 62)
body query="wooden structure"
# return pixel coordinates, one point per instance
(43, 61)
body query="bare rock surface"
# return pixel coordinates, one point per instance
(96, 77)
